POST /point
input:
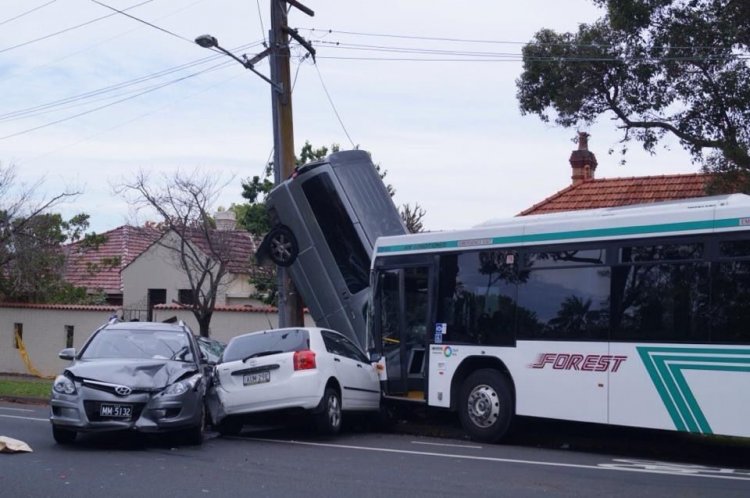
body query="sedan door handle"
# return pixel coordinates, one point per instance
(359, 365)
(336, 359)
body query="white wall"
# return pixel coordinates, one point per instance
(44, 333)
(44, 329)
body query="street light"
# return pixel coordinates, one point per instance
(210, 42)
(207, 41)
(290, 307)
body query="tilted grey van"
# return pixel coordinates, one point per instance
(325, 220)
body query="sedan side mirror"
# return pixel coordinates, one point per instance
(375, 357)
(67, 354)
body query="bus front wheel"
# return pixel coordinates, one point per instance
(486, 405)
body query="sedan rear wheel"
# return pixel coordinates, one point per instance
(229, 426)
(328, 418)
(63, 436)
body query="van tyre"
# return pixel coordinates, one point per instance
(63, 436)
(328, 414)
(486, 405)
(282, 246)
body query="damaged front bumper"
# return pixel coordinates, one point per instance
(96, 410)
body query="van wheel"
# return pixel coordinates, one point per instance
(328, 417)
(283, 247)
(486, 405)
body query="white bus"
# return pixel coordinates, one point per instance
(635, 316)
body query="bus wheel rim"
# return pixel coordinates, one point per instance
(484, 406)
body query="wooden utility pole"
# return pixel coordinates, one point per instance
(290, 305)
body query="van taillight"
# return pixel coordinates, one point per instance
(304, 360)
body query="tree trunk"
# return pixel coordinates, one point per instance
(203, 323)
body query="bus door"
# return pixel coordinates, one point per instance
(402, 324)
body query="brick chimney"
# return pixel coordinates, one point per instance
(582, 160)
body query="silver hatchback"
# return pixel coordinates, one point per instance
(132, 376)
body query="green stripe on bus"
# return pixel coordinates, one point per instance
(665, 366)
(571, 235)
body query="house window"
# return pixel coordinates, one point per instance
(185, 296)
(69, 331)
(17, 335)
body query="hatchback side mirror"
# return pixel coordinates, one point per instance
(67, 354)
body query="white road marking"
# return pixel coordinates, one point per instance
(25, 418)
(15, 409)
(448, 445)
(606, 467)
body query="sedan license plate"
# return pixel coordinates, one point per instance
(256, 378)
(115, 411)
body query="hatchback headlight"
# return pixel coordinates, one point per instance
(182, 386)
(64, 385)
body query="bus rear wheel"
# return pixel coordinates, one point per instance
(486, 405)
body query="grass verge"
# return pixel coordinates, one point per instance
(25, 388)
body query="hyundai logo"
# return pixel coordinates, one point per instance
(123, 390)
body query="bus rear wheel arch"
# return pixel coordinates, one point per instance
(485, 405)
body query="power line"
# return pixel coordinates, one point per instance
(57, 59)
(144, 22)
(148, 90)
(121, 124)
(62, 103)
(463, 56)
(71, 28)
(497, 42)
(333, 106)
(27, 12)
(262, 28)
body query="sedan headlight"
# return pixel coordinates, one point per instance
(182, 386)
(64, 385)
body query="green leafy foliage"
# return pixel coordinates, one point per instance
(658, 67)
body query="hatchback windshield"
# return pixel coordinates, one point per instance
(267, 342)
(139, 344)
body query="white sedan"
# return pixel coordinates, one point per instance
(309, 368)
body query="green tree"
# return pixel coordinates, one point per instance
(32, 257)
(659, 67)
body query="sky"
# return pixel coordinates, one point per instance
(426, 86)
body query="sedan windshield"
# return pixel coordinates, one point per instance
(266, 342)
(139, 344)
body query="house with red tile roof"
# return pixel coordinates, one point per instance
(589, 192)
(98, 268)
(156, 276)
(135, 269)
